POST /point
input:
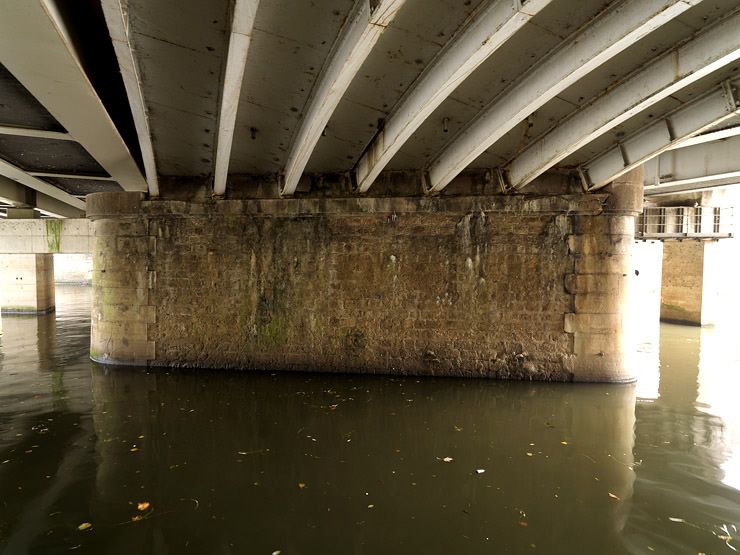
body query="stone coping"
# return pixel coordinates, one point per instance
(122, 205)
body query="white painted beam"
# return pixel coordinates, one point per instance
(13, 193)
(56, 208)
(484, 32)
(696, 167)
(36, 133)
(709, 137)
(36, 48)
(673, 130)
(116, 18)
(356, 40)
(241, 35)
(707, 52)
(595, 44)
(16, 174)
(70, 176)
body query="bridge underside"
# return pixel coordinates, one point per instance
(408, 186)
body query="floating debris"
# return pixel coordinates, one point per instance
(84, 526)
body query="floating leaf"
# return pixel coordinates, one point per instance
(613, 496)
(529, 454)
(136, 518)
(447, 459)
(523, 523)
(480, 470)
(301, 485)
(370, 506)
(563, 443)
(134, 449)
(674, 519)
(84, 526)
(143, 506)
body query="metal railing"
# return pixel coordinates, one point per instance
(677, 222)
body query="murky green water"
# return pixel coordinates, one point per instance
(241, 463)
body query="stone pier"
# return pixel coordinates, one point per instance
(505, 286)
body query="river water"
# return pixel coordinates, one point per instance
(227, 462)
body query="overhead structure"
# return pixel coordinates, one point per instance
(356, 40)
(38, 50)
(484, 32)
(595, 44)
(671, 131)
(709, 136)
(707, 52)
(242, 23)
(13, 193)
(116, 18)
(173, 97)
(18, 175)
(694, 168)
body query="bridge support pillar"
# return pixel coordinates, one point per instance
(26, 280)
(527, 287)
(699, 285)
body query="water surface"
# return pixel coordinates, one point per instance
(228, 462)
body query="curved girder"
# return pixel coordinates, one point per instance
(690, 119)
(484, 32)
(694, 168)
(241, 35)
(116, 18)
(356, 40)
(595, 44)
(707, 52)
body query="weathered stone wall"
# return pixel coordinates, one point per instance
(682, 283)
(506, 286)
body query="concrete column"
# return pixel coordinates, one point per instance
(683, 282)
(26, 280)
(699, 284)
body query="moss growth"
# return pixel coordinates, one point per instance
(271, 333)
(53, 234)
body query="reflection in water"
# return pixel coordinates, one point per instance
(255, 463)
(682, 501)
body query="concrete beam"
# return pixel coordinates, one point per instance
(15, 194)
(69, 236)
(239, 39)
(671, 131)
(709, 51)
(49, 206)
(8, 170)
(37, 133)
(36, 48)
(694, 168)
(595, 44)
(356, 40)
(116, 17)
(483, 33)
(71, 176)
